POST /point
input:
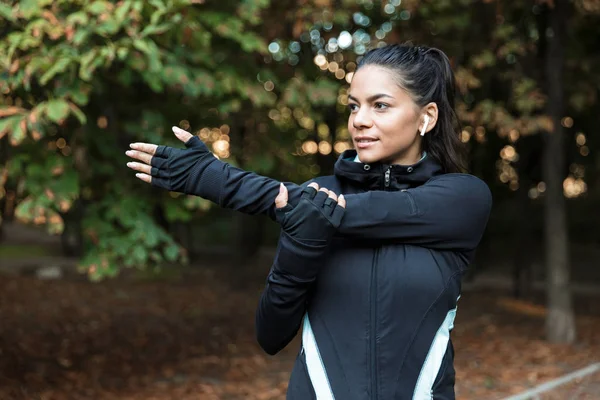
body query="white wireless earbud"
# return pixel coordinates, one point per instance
(425, 125)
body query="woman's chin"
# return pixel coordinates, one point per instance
(367, 157)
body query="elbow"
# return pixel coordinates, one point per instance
(269, 348)
(266, 335)
(268, 343)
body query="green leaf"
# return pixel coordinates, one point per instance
(18, 134)
(78, 114)
(122, 11)
(122, 53)
(108, 27)
(57, 68)
(155, 29)
(160, 5)
(151, 238)
(85, 69)
(80, 36)
(139, 254)
(171, 252)
(24, 209)
(79, 17)
(6, 12)
(79, 97)
(143, 46)
(7, 123)
(156, 16)
(99, 7)
(57, 110)
(32, 7)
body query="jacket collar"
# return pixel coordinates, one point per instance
(373, 176)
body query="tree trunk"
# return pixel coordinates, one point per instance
(560, 322)
(72, 234)
(3, 192)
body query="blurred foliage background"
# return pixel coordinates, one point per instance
(263, 83)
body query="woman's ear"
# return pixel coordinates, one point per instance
(429, 119)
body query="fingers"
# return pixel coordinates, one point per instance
(182, 135)
(329, 201)
(310, 191)
(282, 198)
(144, 177)
(136, 166)
(144, 147)
(139, 155)
(325, 198)
(333, 195)
(337, 214)
(321, 196)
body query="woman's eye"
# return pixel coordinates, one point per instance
(352, 107)
(381, 106)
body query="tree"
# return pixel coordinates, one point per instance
(560, 322)
(81, 80)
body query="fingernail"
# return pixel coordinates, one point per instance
(138, 175)
(129, 152)
(129, 164)
(281, 187)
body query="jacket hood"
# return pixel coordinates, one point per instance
(372, 176)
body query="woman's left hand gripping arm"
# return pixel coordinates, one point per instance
(307, 230)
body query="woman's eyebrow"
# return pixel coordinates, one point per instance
(371, 98)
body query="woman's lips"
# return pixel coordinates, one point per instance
(365, 143)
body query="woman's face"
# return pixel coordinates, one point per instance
(384, 121)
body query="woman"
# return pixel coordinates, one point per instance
(374, 276)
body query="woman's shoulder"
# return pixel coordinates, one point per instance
(462, 182)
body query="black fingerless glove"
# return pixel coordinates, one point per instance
(314, 220)
(178, 170)
(307, 232)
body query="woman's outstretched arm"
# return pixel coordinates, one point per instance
(195, 170)
(450, 212)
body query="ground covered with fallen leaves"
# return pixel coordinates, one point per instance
(192, 337)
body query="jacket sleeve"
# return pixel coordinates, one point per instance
(284, 300)
(237, 189)
(447, 213)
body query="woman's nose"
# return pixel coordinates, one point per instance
(362, 119)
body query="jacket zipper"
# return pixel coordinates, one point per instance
(373, 335)
(386, 182)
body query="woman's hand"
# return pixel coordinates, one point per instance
(167, 167)
(316, 217)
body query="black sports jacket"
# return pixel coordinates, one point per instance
(377, 304)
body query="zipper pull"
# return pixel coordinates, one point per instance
(387, 176)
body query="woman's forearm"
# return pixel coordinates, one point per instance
(234, 188)
(284, 300)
